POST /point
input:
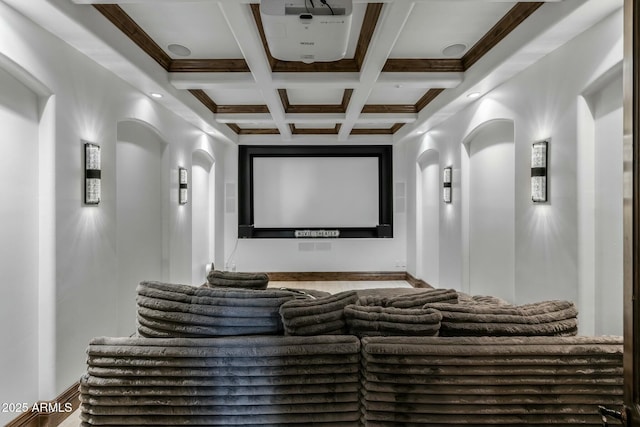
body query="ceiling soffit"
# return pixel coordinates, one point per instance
(389, 116)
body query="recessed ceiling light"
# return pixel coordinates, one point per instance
(398, 86)
(156, 95)
(454, 49)
(179, 49)
(473, 95)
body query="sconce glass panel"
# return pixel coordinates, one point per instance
(183, 186)
(539, 171)
(446, 182)
(92, 174)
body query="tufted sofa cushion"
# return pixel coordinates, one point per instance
(546, 318)
(366, 320)
(173, 310)
(228, 279)
(320, 316)
(418, 300)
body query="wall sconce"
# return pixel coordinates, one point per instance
(92, 172)
(183, 196)
(446, 183)
(539, 171)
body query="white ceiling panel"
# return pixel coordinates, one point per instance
(315, 125)
(236, 96)
(199, 26)
(315, 96)
(434, 25)
(257, 126)
(395, 95)
(372, 126)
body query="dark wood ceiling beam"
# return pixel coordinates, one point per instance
(409, 65)
(234, 127)
(396, 127)
(373, 131)
(315, 131)
(242, 109)
(346, 97)
(366, 31)
(265, 131)
(341, 66)
(255, 10)
(389, 109)
(209, 66)
(118, 17)
(205, 99)
(427, 98)
(516, 15)
(284, 98)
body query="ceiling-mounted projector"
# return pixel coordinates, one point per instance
(307, 30)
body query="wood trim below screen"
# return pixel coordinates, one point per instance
(348, 276)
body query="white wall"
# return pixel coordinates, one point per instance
(19, 259)
(77, 292)
(542, 102)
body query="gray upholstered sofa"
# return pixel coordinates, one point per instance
(251, 373)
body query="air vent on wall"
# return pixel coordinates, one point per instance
(307, 30)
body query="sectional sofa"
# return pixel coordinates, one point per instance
(224, 356)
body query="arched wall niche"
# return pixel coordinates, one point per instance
(600, 210)
(488, 209)
(27, 266)
(202, 213)
(142, 213)
(428, 200)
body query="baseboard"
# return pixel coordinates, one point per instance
(312, 276)
(415, 282)
(64, 405)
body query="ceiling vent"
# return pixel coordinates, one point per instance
(307, 30)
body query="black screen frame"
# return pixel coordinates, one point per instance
(246, 154)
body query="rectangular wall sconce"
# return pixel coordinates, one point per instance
(539, 171)
(183, 196)
(92, 172)
(446, 183)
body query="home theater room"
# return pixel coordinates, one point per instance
(335, 213)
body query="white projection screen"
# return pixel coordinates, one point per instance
(315, 191)
(307, 192)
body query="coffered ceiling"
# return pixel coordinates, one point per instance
(406, 60)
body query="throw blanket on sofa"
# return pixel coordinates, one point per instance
(170, 310)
